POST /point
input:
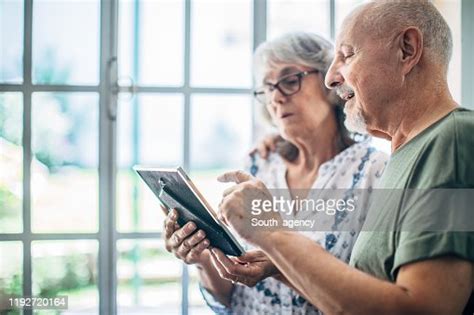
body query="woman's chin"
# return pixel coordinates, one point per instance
(289, 132)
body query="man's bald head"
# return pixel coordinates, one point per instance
(386, 18)
(390, 65)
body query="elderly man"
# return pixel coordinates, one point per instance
(391, 67)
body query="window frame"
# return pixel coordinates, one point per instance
(108, 90)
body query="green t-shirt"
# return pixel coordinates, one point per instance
(440, 157)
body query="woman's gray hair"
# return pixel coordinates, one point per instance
(304, 49)
(300, 48)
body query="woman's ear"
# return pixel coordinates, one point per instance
(410, 46)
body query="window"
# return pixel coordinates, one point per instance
(11, 19)
(11, 168)
(144, 32)
(75, 272)
(220, 55)
(451, 11)
(298, 15)
(65, 49)
(192, 91)
(64, 129)
(49, 150)
(105, 85)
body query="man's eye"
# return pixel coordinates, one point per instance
(348, 55)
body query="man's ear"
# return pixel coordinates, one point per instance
(411, 48)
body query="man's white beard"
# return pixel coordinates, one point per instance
(354, 121)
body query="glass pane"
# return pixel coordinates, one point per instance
(11, 267)
(66, 42)
(152, 32)
(150, 132)
(11, 41)
(67, 268)
(221, 45)
(197, 305)
(221, 129)
(11, 162)
(297, 15)
(451, 11)
(65, 142)
(149, 278)
(343, 8)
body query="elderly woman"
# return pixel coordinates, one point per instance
(316, 153)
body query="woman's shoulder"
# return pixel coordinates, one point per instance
(358, 162)
(367, 160)
(365, 151)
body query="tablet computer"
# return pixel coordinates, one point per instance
(174, 189)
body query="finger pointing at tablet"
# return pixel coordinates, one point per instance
(235, 176)
(238, 201)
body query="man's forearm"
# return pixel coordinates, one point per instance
(220, 288)
(280, 277)
(328, 283)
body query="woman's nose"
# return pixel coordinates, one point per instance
(277, 96)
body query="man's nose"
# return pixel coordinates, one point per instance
(333, 77)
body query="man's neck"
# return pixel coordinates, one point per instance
(420, 115)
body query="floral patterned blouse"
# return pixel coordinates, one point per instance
(357, 167)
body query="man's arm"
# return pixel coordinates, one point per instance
(436, 286)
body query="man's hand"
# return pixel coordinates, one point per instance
(235, 208)
(186, 243)
(266, 146)
(248, 269)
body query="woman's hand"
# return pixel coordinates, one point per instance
(249, 269)
(186, 243)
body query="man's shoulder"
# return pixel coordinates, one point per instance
(443, 155)
(462, 113)
(446, 133)
(454, 132)
(459, 121)
(463, 123)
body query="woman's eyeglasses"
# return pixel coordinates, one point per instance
(287, 85)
